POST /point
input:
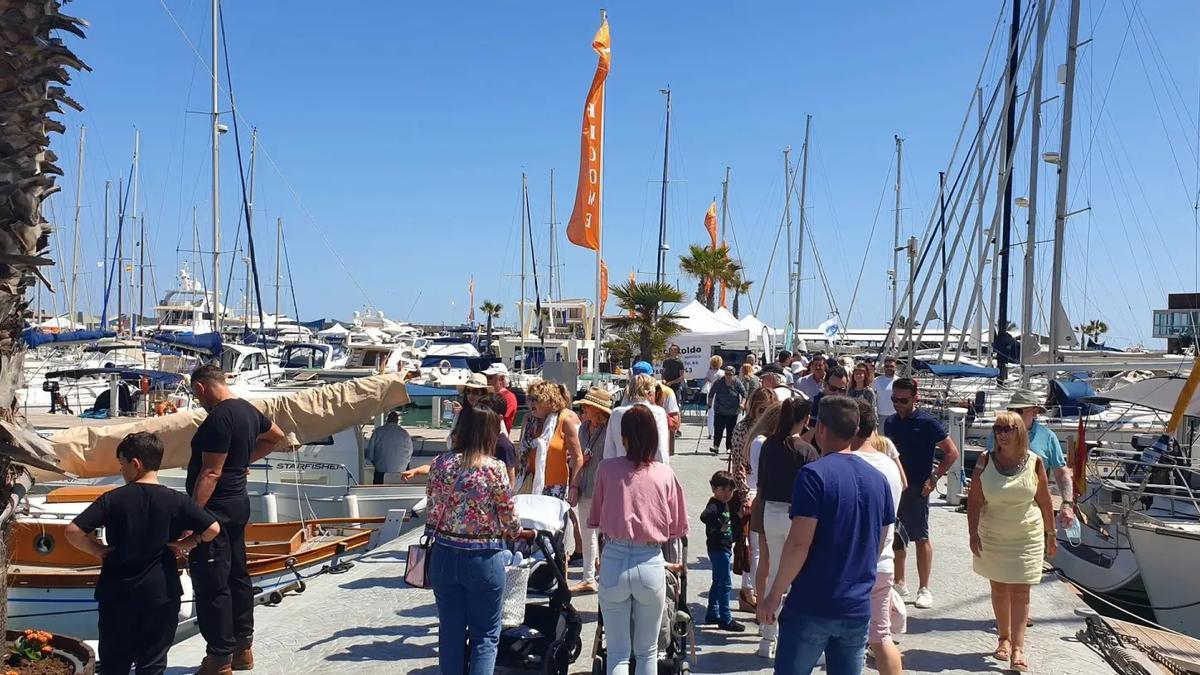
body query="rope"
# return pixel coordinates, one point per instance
(1077, 585)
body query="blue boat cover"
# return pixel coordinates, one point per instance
(957, 370)
(35, 338)
(420, 390)
(1067, 395)
(158, 378)
(206, 343)
(315, 325)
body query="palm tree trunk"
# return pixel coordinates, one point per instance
(489, 332)
(27, 96)
(736, 298)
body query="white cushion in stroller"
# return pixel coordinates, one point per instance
(541, 512)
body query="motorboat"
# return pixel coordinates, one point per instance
(187, 308)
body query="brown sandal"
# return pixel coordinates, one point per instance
(1003, 649)
(1018, 663)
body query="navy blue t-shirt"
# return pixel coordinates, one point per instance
(916, 439)
(852, 503)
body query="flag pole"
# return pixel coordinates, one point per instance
(600, 233)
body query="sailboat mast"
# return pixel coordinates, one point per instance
(142, 266)
(75, 244)
(553, 244)
(521, 304)
(249, 226)
(1029, 283)
(278, 249)
(133, 239)
(1060, 205)
(104, 253)
(724, 202)
(1010, 125)
(896, 229)
(117, 255)
(660, 269)
(788, 184)
(983, 236)
(216, 182)
(800, 228)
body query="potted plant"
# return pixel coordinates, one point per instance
(36, 652)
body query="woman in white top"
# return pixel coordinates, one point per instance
(639, 392)
(887, 607)
(716, 370)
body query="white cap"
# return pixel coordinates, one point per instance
(796, 366)
(496, 368)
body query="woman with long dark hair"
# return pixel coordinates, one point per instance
(471, 515)
(743, 496)
(632, 585)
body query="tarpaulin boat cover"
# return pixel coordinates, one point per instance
(1067, 396)
(313, 414)
(158, 378)
(207, 343)
(1155, 393)
(420, 390)
(36, 338)
(957, 370)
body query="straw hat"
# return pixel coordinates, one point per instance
(597, 398)
(1025, 399)
(476, 381)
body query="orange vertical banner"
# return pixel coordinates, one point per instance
(632, 281)
(584, 227)
(603, 286)
(710, 223)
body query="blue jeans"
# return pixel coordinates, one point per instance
(632, 593)
(803, 637)
(722, 586)
(469, 588)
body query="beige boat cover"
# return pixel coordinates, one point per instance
(311, 414)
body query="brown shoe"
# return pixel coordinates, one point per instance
(243, 658)
(215, 665)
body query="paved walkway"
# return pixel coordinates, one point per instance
(369, 621)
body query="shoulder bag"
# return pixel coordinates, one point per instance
(416, 565)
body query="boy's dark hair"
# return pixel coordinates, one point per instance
(868, 420)
(839, 415)
(209, 373)
(494, 402)
(721, 479)
(143, 446)
(783, 356)
(906, 383)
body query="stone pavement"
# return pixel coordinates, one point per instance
(369, 621)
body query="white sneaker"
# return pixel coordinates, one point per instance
(901, 589)
(924, 598)
(766, 649)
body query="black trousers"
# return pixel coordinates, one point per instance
(136, 633)
(377, 479)
(724, 423)
(221, 581)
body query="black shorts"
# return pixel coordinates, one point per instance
(912, 518)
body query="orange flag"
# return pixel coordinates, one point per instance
(710, 223)
(603, 286)
(632, 280)
(584, 227)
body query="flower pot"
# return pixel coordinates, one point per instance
(76, 653)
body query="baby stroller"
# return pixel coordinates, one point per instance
(675, 637)
(548, 639)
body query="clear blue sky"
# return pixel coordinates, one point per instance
(396, 134)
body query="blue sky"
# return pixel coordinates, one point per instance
(394, 136)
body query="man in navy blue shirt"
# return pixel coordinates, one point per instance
(841, 509)
(918, 436)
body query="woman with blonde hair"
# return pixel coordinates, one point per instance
(716, 371)
(639, 392)
(743, 495)
(550, 451)
(1010, 519)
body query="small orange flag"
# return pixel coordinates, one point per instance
(584, 227)
(710, 223)
(603, 286)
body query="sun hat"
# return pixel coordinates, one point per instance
(1025, 399)
(796, 367)
(475, 381)
(598, 398)
(496, 368)
(643, 368)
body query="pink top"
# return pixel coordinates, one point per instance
(643, 504)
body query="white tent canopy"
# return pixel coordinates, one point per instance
(60, 323)
(702, 331)
(335, 331)
(752, 324)
(726, 317)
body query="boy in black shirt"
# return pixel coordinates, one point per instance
(139, 587)
(718, 530)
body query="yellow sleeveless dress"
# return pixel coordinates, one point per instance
(1010, 526)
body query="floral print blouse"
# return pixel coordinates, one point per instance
(470, 508)
(740, 461)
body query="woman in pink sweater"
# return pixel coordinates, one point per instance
(638, 505)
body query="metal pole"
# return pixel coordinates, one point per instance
(104, 253)
(596, 337)
(660, 269)
(75, 244)
(1035, 138)
(945, 306)
(133, 240)
(908, 328)
(278, 249)
(142, 266)
(521, 304)
(1009, 140)
(724, 203)
(896, 233)
(1060, 205)
(249, 228)
(216, 179)
(800, 230)
(981, 243)
(787, 210)
(553, 243)
(120, 253)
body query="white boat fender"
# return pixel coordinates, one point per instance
(270, 508)
(352, 506)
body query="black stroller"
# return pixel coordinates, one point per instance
(676, 635)
(548, 639)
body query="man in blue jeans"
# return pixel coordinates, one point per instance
(841, 508)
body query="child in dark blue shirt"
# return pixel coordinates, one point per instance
(719, 526)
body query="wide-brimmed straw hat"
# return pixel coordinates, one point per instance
(597, 398)
(1025, 399)
(476, 381)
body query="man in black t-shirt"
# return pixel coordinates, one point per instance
(139, 590)
(233, 436)
(674, 373)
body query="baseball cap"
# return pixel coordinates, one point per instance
(496, 368)
(643, 368)
(730, 370)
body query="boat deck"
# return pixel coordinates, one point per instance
(1183, 650)
(369, 620)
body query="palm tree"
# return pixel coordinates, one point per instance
(710, 267)
(1093, 329)
(644, 323)
(29, 91)
(491, 310)
(739, 287)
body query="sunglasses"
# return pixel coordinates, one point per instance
(839, 390)
(1003, 429)
(901, 401)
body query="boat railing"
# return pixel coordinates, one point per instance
(1152, 479)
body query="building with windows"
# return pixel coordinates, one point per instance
(1178, 323)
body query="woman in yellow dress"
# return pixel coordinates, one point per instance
(1011, 524)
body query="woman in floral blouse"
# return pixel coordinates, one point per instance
(471, 515)
(739, 460)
